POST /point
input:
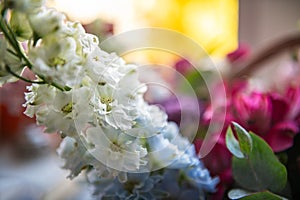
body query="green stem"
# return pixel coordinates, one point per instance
(18, 49)
(21, 77)
(6, 34)
(10, 36)
(65, 88)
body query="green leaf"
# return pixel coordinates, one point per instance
(244, 138)
(246, 195)
(261, 170)
(238, 193)
(241, 147)
(233, 144)
(266, 195)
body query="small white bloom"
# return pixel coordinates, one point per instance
(100, 69)
(116, 149)
(57, 110)
(121, 117)
(75, 155)
(115, 108)
(37, 96)
(150, 121)
(46, 21)
(85, 42)
(57, 60)
(162, 153)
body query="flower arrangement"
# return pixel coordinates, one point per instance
(270, 111)
(131, 149)
(94, 100)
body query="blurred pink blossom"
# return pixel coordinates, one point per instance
(272, 115)
(183, 66)
(240, 54)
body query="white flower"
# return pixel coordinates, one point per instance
(101, 68)
(150, 121)
(130, 91)
(117, 104)
(162, 153)
(75, 155)
(65, 112)
(115, 149)
(37, 96)
(109, 109)
(95, 101)
(46, 21)
(58, 115)
(169, 149)
(85, 42)
(121, 117)
(56, 59)
(52, 108)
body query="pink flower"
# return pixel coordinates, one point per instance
(252, 111)
(240, 54)
(273, 116)
(281, 135)
(183, 66)
(280, 107)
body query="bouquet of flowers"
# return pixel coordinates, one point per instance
(94, 100)
(266, 106)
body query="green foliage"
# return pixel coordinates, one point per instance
(245, 195)
(242, 147)
(266, 195)
(254, 165)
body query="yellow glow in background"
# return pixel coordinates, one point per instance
(211, 23)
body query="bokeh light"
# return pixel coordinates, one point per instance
(213, 24)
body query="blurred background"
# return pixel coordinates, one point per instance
(29, 167)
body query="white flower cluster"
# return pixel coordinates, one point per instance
(104, 113)
(99, 109)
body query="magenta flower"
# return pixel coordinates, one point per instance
(253, 111)
(273, 116)
(183, 66)
(240, 54)
(281, 135)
